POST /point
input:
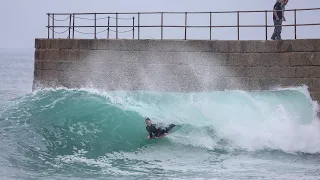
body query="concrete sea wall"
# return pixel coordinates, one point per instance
(177, 65)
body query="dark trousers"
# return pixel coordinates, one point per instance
(277, 30)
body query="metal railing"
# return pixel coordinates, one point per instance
(71, 27)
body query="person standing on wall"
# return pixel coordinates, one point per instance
(278, 17)
(283, 7)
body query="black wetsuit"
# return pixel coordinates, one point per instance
(156, 132)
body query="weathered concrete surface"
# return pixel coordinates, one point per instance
(177, 65)
(304, 45)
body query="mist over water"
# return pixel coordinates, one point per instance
(93, 134)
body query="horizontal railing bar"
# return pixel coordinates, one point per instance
(73, 16)
(158, 26)
(213, 12)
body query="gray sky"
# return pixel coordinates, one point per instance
(22, 21)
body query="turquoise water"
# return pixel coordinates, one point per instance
(94, 134)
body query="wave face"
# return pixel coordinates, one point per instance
(91, 132)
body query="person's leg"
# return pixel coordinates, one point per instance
(274, 31)
(278, 29)
(170, 127)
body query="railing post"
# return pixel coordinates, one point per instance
(266, 14)
(74, 17)
(295, 24)
(185, 25)
(161, 25)
(238, 15)
(133, 28)
(116, 25)
(108, 26)
(48, 25)
(138, 25)
(52, 26)
(210, 25)
(95, 26)
(69, 27)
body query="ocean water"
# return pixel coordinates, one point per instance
(94, 134)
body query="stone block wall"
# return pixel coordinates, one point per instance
(177, 65)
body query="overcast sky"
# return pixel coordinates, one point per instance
(24, 20)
